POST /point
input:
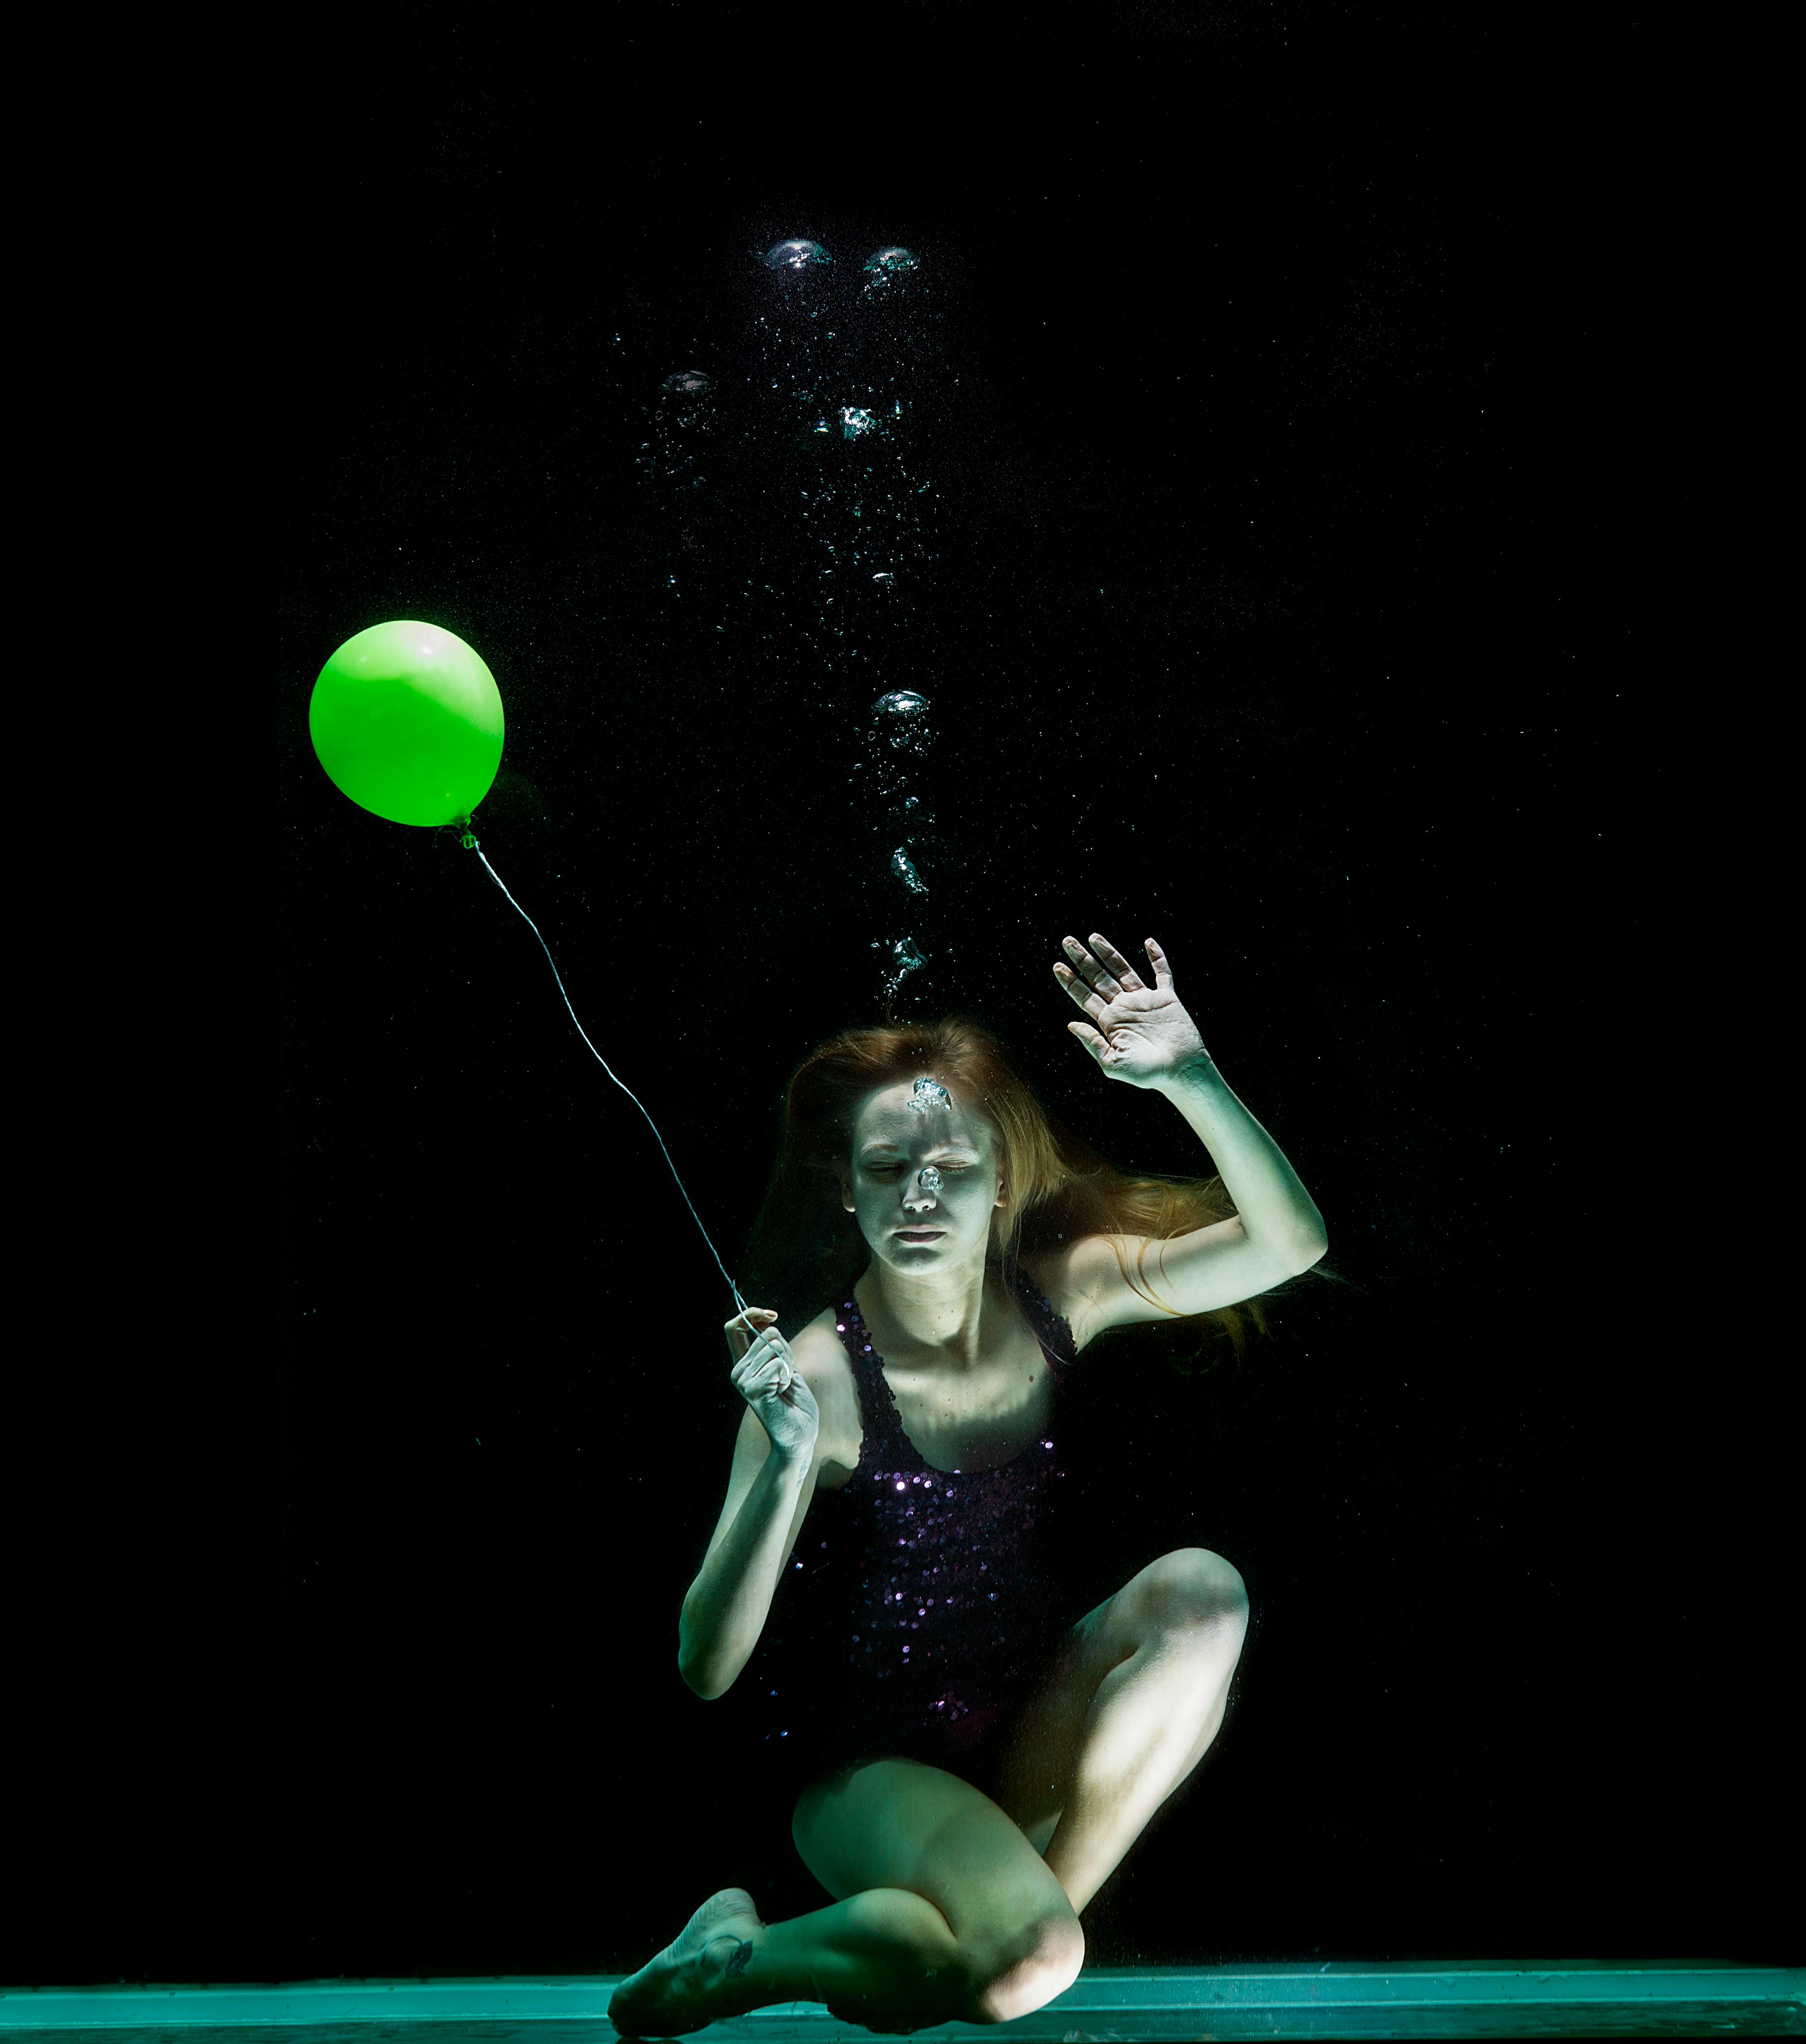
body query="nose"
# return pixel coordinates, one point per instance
(920, 1195)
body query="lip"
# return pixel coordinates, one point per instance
(919, 1234)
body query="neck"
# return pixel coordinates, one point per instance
(945, 1312)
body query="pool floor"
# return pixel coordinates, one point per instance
(1107, 2006)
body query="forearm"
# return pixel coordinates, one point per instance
(1269, 1195)
(725, 1608)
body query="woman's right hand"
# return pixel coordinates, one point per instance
(766, 1377)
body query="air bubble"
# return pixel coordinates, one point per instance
(688, 383)
(907, 959)
(885, 263)
(797, 256)
(904, 868)
(900, 702)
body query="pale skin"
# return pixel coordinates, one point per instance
(950, 1905)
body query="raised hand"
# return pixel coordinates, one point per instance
(1137, 1033)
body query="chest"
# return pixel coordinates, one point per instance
(971, 1420)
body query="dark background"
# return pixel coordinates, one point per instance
(1282, 386)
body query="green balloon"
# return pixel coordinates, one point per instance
(406, 720)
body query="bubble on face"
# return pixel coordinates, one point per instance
(797, 256)
(928, 1178)
(928, 1093)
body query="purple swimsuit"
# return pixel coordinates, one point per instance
(917, 1614)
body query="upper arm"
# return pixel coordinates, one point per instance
(1155, 1279)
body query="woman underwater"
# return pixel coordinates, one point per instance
(983, 1768)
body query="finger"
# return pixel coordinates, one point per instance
(1093, 1004)
(1089, 1037)
(753, 1356)
(1089, 966)
(1162, 972)
(1117, 963)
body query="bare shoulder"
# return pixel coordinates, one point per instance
(818, 1346)
(821, 1356)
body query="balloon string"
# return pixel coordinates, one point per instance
(603, 1062)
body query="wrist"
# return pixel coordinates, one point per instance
(1197, 1074)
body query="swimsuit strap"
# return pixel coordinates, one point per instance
(1052, 1329)
(878, 1415)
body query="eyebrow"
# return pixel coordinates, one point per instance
(878, 1145)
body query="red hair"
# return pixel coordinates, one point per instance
(805, 1245)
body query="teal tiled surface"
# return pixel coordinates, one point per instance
(1105, 2006)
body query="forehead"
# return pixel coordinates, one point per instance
(886, 1117)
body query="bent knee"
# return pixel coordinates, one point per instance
(1028, 1973)
(1196, 1587)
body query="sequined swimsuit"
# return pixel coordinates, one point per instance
(918, 1611)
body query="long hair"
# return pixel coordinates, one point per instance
(806, 1248)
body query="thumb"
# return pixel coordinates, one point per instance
(1090, 1039)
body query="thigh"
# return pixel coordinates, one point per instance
(901, 1823)
(1035, 1763)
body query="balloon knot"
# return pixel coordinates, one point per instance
(468, 841)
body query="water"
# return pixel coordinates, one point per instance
(1276, 538)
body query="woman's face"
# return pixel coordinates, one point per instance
(922, 1184)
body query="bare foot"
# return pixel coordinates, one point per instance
(680, 1990)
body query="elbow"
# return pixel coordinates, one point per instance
(1313, 1248)
(703, 1682)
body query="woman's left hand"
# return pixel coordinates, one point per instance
(1137, 1033)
